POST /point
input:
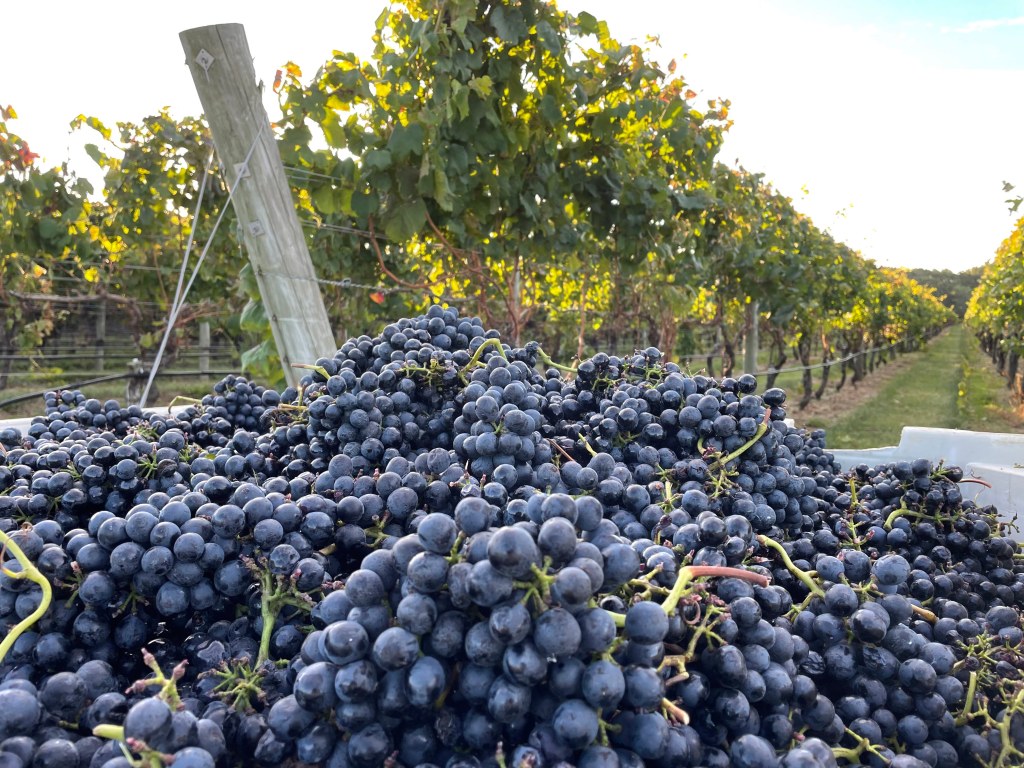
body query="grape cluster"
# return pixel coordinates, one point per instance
(442, 550)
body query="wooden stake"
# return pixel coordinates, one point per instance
(218, 58)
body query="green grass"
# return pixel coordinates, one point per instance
(166, 389)
(950, 384)
(985, 401)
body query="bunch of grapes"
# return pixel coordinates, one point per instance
(442, 550)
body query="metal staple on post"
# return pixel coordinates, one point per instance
(205, 60)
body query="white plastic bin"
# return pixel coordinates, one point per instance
(995, 457)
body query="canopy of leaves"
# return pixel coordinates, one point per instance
(514, 158)
(522, 145)
(43, 217)
(153, 174)
(996, 308)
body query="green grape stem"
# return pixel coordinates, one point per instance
(546, 360)
(108, 731)
(168, 685)
(29, 571)
(690, 572)
(722, 461)
(496, 343)
(972, 690)
(239, 685)
(274, 597)
(901, 511)
(804, 576)
(1009, 747)
(604, 728)
(316, 368)
(853, 755)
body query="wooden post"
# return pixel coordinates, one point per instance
(218, 58)
(204, 346)
(101, 334)
(753, 341)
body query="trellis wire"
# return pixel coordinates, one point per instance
(176, 308)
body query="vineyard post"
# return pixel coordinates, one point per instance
(752, 341)
(221, 65)
(204, 346)
(101, 334)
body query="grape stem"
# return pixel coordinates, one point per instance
(275, 594)
(168, 692)
(902, 511)
(675, 712)
(762, 428)
(29, 571)
(691, 572)
(560, 449)
(667, 503)
(496, 343)
(108, 731)
(452, 680)
(454, 555)
(924, 613)
(543, 357)
(604, 728)
(239, 685)
(804, 576)
(1009, 746)
(316, 368)
(542, 582)
(854, 754)
(183, 399)
(972, 689)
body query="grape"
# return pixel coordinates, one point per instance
(395, 648)
(603, 685)
(512, 552)
(314, 687)
(19, 712)
(148, 720)
(418, 567)
(646, 623)
(575, 724)
(557, 633)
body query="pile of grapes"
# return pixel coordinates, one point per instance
(441, 550)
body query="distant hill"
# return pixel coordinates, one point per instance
(954, 288)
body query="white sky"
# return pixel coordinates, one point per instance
(901, 125)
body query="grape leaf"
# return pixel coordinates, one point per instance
(405, 221)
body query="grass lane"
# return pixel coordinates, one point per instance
(951, 384)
